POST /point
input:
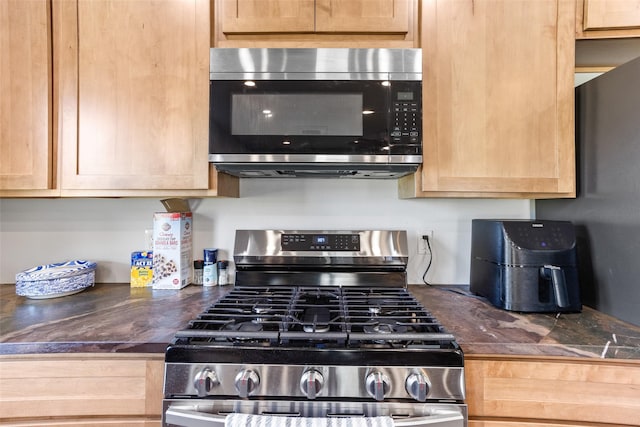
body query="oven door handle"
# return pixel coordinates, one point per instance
(189, 418)
(441, 418)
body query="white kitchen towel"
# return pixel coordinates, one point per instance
(248, 420)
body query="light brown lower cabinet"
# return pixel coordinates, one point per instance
(83, 422)
(547, 392)
(494, 423)
(81, 390)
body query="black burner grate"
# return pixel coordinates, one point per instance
(317, 317)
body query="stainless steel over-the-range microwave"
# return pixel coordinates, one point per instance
(323, 112)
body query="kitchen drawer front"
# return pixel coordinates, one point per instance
(553, 390)
(76, 386)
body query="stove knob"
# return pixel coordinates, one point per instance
(246, 382)
(417, 385)
(311, 383)
(377, 385)
(204, 381)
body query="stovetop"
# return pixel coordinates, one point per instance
(314, 297)
(322, 320)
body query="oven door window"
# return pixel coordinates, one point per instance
(299, 117)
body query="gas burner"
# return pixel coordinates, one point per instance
(313, 295)
(249, 326)
(315, 328)
(381, 310)
(384, 327)
(316, 319)
(262, 307)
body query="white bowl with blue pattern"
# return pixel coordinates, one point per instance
(56, 280)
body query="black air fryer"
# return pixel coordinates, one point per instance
(527, 266)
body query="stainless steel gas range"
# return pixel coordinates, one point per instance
(321, 329)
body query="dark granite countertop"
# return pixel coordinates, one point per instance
(116, 318)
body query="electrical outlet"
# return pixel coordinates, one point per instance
(422, 242)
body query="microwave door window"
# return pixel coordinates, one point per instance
(310, 114)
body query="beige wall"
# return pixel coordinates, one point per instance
(38, 231)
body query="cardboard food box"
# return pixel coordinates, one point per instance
(173, 245)
(141, 269)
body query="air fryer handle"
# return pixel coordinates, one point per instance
(556, 274)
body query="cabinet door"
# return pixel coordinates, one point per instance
(520, 423)
(133, 93)
(580, 392)
(498, 99)
(87, 388)
(611, 14)
(26, 149)
(267, 16)
(362, 16)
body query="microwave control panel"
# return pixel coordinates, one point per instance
(406, 119)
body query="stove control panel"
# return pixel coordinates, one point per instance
(317, 382)
(320, 242)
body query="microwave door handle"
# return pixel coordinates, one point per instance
(189, 418)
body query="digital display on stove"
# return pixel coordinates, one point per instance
(320, 242)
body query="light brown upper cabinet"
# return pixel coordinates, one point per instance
(362, 16)
(607, 19)
(26, 145)
(267, 16)
(133, 93)
(498, 100)
(385, 23)
(106, 98)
